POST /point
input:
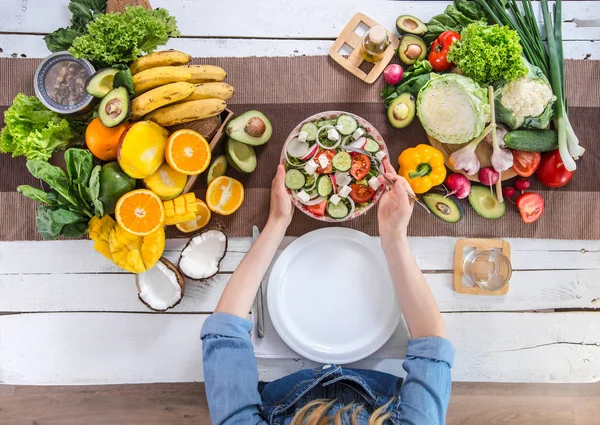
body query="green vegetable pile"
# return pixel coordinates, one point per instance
(488, 53)
(414, 79)
(84, 12)
(76, 195)
(32, 130)
(123, 37)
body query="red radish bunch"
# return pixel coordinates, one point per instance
(459, 185)
(522, 183)
(393, 74)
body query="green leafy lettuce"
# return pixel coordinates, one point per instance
(453, 108)
(123, 37)
(488, 53)
(32, 130)
(84, 12)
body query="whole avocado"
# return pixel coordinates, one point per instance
(114, 183)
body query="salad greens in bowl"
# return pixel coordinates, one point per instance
(332, 160)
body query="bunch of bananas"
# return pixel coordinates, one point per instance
(168, 91)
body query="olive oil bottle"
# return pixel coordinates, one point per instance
(374, 43)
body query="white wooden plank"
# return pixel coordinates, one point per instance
(33, 46)
(96, 348)
(433, 254)
(277, 18)
(538, 290)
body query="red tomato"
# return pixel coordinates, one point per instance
(361, 164)
(438, 55)
(552, 171)
(329, 154)
(318, 210)
(525, 163)
(531, 206)
(361, 194)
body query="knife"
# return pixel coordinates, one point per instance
(260, 312)
(373, 158)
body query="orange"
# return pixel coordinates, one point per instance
(103, 142)
(187, 152)
(140, 212)
(201, 220)
(225, 195)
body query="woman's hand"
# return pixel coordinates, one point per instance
(282, 209)
(395, 206)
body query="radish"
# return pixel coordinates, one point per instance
(393, 74)
(508, 192)
(488, 176)
(522, 183)
(459, 185)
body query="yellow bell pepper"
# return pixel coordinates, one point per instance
(181, 209)
(423, 167)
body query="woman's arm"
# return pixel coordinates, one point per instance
(240, 291)
(416, 300)
(230, 372)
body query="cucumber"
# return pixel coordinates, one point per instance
(323, 123)
(311, 130)
(324, 186)
(294, 179)
(532, 140)
(372, 146)
(348, 125)
(337, 211)
(342, 161)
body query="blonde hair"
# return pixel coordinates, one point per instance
(316, 413)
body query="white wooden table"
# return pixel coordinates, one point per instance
(69, 316)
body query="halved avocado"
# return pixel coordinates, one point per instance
(217, 169)
(485, 203)
(252, 128)
(407, 24)
(412, 49)
(240, 156)
(401, 111)
(100, 83)
(447, 209)
(114, 108)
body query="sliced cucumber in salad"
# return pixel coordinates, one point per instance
(324, 186)
(294, 179)
(338, 211)
(310, 129)
(372, 146)
(346, 125)
(323, 123)
(342, 161)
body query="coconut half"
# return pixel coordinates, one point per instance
(161, 287)
(202, 255)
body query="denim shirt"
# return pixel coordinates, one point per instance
(235, 396)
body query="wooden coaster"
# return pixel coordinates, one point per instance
(480, 244)
(226, 116)
(352, 63)
(484, 154)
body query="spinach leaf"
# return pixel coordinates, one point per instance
(75, 230)
(84, 12)
(124, 78)
(48, 198)
(50, 222)
(53, 176)
(79, 165)
(470, 9)
(95, 191)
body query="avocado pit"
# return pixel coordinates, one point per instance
(255, 127)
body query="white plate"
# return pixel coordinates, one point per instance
(331, 298)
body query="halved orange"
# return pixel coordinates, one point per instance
(140, 212)
(188, 152)
(201, 220)
(225, 195)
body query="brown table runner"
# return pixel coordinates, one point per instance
(288, 90)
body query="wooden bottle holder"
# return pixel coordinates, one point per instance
(459, 256)
(352, 63)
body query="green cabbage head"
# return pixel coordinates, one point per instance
(526, 102)
(453, 108)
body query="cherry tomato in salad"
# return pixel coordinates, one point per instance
(318, 209)
(329, 154)
(552, 172)
(361, 164)
(525, 163)
(438, 55)
(531, 206)
(361, 194)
